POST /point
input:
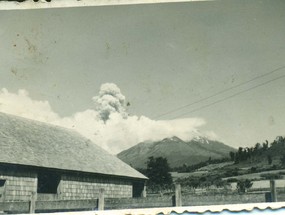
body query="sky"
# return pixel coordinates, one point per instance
(121, 75)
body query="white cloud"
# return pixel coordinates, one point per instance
(22, 105)
(108, 124)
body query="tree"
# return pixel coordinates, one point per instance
(269, 159)
(232, 156)
(265, 145)
(282, 159)
(210, 159)
(257, 147)
(243, 185)
(158, 173)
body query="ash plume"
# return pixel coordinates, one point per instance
(110, 100)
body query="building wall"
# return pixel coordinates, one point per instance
(78, 187)
(19, 186)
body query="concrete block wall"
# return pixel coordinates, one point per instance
(148, 202)
(78, 187)
(217, 199)
(18, 186)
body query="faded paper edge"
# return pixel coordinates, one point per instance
(189, 209)
(30, 4)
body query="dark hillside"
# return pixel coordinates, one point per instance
(176, 151)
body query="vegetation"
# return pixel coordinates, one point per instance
(270, 176)
(243, 185)
(231, 180)
(158, 173)
(282, 159)
(277, 147)
(242, 167)
(191, 168)
(269, 159)
(202, 181)
(271, 151)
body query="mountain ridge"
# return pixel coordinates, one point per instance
(177, 151)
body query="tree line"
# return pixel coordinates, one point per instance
(265, 149)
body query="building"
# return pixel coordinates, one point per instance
(58, 164)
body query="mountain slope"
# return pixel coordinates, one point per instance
(177, 151)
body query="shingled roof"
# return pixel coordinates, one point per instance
(33, 143)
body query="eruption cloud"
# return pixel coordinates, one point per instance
(110, 100)
(108, 124)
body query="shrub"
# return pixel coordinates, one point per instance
(231, 172)
(231, 180)
(274, 166)
(253, 169)
(243, 185)
(281, 173)
(270, 176)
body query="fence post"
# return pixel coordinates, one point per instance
(101, 199)
(178, 196)
(33, 203)
(273, 191)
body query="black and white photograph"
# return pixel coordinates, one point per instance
(141, 105)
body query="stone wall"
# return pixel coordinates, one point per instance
(78, 187)
(18, 186)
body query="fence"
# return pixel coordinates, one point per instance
(149, 202)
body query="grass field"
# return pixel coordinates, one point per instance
(264, 184)
(176, 175)
(256, 176)
(212, 167)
